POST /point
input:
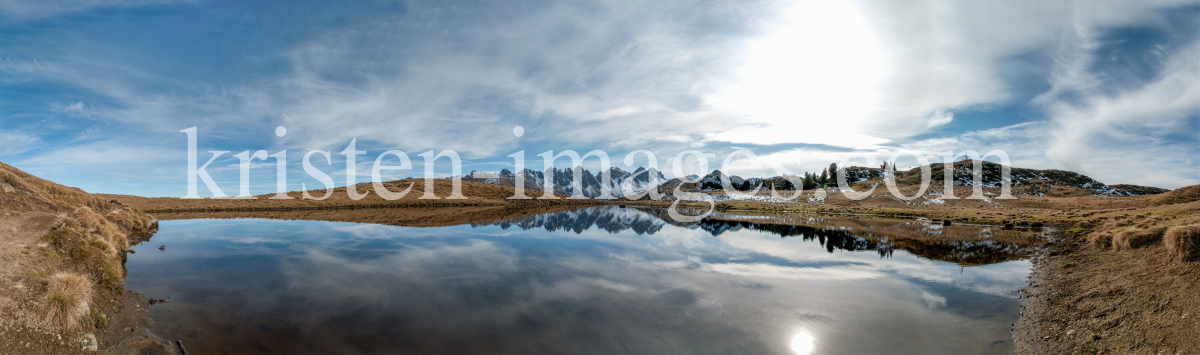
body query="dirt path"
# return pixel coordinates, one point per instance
(22, 331)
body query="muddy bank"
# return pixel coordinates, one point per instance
(1084, 299)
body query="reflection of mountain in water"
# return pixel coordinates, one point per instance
(965, 245)
(609, 218)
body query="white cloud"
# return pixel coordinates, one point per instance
(46, 8)
(1145, 135)
(869, 75)
(16, 142)
(940, 118)
(896, 70)
(103, 166)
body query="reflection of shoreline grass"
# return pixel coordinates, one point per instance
(964, 245)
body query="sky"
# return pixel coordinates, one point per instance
(94, 94)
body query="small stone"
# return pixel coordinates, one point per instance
(90, 342)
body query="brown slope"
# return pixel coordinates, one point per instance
(1181, 195)
(49, 233)
(402, 216)
(23, 192)
(476, 194)
(532, 188)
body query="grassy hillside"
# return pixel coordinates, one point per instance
(72, 250)
(1029, 181)
(475, 193)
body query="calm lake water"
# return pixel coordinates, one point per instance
(602, 280)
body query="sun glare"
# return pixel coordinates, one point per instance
(820, 72)
(802, 343)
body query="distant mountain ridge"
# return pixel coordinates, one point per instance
(620, 183)
(608, 218)
(624, 183)
(1031, 181)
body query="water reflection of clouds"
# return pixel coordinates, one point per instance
(742, 292)
(668, 248)
(792, 273)
(676, 244)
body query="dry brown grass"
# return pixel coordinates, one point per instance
(1181, 195)
(1133, 238)
(1116, 223)
(102, 229)
(66, 300)
(20, 191)
(1183, 242)
(91, 241)
(88, 254)
(476, 193)
(1100, 240)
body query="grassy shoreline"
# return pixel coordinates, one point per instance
(67, 249)
(1062, 308)
(1113, 297)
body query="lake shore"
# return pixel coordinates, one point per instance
(1087, 299)
(125, 327)
(1080, 297)
(50, 236)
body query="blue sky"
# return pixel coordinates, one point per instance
(94, 94)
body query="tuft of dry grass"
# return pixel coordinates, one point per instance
(87, 253)
(1133, 238)
(108, 231)
(1100, 240)
(1183, 242)
(66, 300)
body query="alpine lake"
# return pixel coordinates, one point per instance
(597, 280)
